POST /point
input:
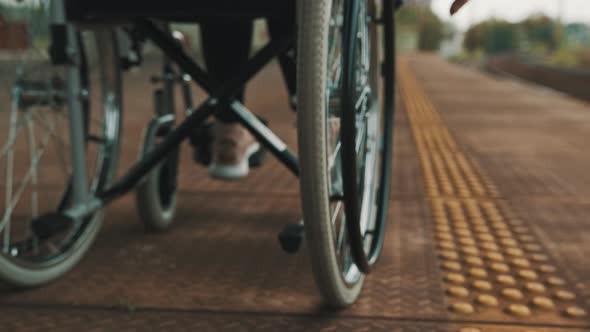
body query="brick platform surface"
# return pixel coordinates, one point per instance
(506, 199)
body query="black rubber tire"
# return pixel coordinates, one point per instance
(314, 18)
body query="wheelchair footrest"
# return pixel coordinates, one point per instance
(51, 224)
(291, 238)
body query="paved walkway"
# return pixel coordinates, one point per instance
(488, 231)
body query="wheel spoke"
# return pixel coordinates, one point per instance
(16, 125)
(335, 155)
(35, 148)
(34, 171)
(60, 147)
(10, 173)
(11, 201)
(340, 233)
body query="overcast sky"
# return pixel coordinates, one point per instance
(514, 10)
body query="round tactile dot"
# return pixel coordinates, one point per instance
(462, 226)
(520, 262)
(487, 300)
(515, 252)
(528, 274)
(479, 222)
(462, 308)
(519, 310)
(505, 279)
(478, 272)
(466, 241)
(470, 250)
(489, 246)
(482, 285)
(494, 256)
(504, 233)
(474, 261)
(509, 242)
(547, 268)
(565, 295)
(469, 329)
(512, 293)
(447, 254)
(575, 312)
(451, 266)
(500, 267)
(443, 228)
(455, 278)
(495, 218)
(458, 291)
(463, 232)
(499, 226)
(446, 245)
(444, 236)
(535, 287)
(532, 247)
(540, 258)
(459, 219)
(482, 229)
(526, 238)
(543, 302)
(555, 281)
(485, 237)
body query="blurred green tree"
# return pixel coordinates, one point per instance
(476, 37)
(430, 31)
(428, 27)
(493, 37)
(542, 32)
(503, 37)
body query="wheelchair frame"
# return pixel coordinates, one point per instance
(65, 53)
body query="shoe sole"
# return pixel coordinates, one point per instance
(237, 171)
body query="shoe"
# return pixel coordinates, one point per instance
(233, 147)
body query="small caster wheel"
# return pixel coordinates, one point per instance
(156, 193)
(291, 238)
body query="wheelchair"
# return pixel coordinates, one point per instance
(62, 116)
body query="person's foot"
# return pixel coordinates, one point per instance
(232, 148)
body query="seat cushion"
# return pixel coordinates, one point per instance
(177, 10)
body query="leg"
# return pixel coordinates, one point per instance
(226, 48)
(279, 27)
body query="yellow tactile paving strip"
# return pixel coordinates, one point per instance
(493, 267)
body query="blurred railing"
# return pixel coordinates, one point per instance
(574, 82)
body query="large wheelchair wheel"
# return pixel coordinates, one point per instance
(344, 142)
(35, 161)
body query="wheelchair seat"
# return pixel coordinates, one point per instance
(177, 10)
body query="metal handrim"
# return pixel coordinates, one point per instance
(367, 138)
